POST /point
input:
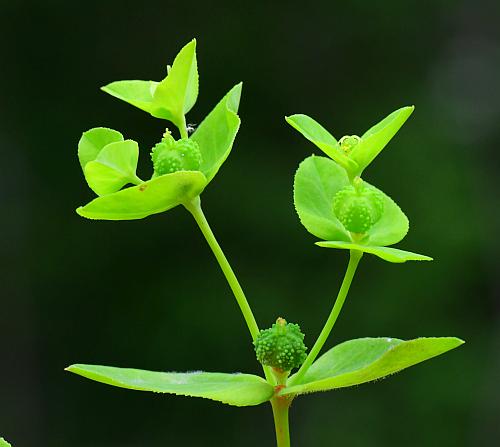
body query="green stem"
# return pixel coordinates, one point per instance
(281, 406)
(354, 258)
(194, 207)
(183, 128)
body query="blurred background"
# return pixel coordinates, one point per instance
(148, 294)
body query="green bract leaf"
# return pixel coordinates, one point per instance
(319, 136)
(316, 182)
(177, 93)
(138, 93)
(113, 168)
(216, 134)
(4, 443)
(93, 141)
(154, 196)
(376, 138)
(169, 99)
(234, 389)
(386, 253)
(365, 359)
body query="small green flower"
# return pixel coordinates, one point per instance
(170, 155)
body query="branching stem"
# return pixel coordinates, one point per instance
(354, 258)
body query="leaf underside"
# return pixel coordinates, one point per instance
(151, 197)
(366, 359)
(386, 253)
(233, 389)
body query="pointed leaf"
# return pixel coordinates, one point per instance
(177, 93)
(319, 136)
(93, 141)
(4, 443)
(216, 134)
(113, 168)
(138, 93)
(316, 182)
(365, 359)
(233, 389)
(376, 138)
(386, 253)
(154, 196)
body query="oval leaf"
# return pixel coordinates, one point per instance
(386, 253)
(137, 93)
(392, 226)
(377, 137)
(316, 182)
(151, 197)
(217, 132)
(318, 135)
(113, 168)
(177, 93)
(4, 443)
(365, 359)
(234, 389)
(93, 141)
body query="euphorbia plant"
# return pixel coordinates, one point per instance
(332, 200)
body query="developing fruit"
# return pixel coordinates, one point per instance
(170, 156)
(358, 207)
(281, 346)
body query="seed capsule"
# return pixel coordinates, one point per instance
(348, 142)
(281, 346)
(358, 207)
(170, 156)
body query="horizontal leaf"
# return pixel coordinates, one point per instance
(177, 93)
(233, 389)
(4, 443)
(366, 359)
(316, 182)
(386, 253)
(93, 141)
(376, 138)
(154, 196)
(318, 135)
(113, 168)
(217, 132)
(138, 93)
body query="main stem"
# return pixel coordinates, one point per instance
(280, 412)
(354, 258)
(194, 207)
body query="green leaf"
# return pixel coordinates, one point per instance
(366, 359)
(376, 138)
(318, 135)
(137, 93)
(316, 182)
(154, 196)
(113, 168)
(387, 254)
(4, 443)
(392, 226)
(93, 141)
(216, 134)
(177, 93)
(234, 389)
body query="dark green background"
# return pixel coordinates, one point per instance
(148, 293)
